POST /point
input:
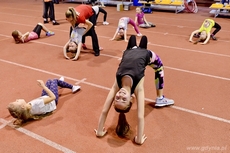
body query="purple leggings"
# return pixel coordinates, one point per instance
(53, 86)
(134, 25)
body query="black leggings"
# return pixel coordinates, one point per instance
(218, 27)
(48, 6)
(38, 30)
(102, 11)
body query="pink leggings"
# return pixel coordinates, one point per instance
(134, 25)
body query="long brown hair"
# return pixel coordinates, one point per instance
(123, 126)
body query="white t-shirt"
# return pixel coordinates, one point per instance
(38, 106)
(76, 34)
(96, 9)
(123, 23)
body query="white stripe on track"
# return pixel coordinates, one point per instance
(39, 138)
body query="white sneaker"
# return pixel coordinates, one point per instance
(164, 102)
(62, 78)
(139, 34)
(75, 88)
(105, 23)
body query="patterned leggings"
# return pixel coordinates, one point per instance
(53, 86)
(159, 78)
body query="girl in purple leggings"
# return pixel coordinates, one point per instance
(47, 103)
(123, 26)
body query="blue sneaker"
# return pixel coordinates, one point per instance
(49, 33)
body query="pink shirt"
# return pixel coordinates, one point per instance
(32, 36)
(140, 18)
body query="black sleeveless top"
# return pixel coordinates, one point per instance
(133, 64)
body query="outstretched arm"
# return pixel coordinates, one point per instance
(48, 91)
(78, 51)
(125, 35)
(139, 93)
(146, 22)
(115, 34)
(191, 36)
(108, 102)
(65, 50)
(207, 39)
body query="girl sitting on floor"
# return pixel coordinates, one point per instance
(35, 34)
(140, 19)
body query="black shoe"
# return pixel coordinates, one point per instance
(97, 54)
(213, 37)
(56, 23)
(45, 21)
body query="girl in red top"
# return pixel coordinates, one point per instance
(86, 15)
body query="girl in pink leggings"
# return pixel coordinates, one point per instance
(123, 26)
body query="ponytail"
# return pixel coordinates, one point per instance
(123, 126)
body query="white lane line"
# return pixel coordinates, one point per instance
(202, 114)
(4, 123)
(106, 88)
(39, 138)
(198, 73)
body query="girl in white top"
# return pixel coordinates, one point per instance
(47, 103)
(75, 43)
(123, 26)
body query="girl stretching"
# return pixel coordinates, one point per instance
(86, 15)
(130, 80)
(47, 103)
(207, 26)
(74, 44)
(140, 19)
(35, 34)
(123, 26)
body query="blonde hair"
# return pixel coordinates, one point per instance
(19, 112)
(71, 13)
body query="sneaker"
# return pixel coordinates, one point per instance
(153, 25)
(45, 21)
(105, 23)
(75, 88)
(49, 33)
(62, 78)
(213, 37)
(97, 54)
(139, 34)
(101, 48)
(84, 46)
(163, 102)
(55, 23)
